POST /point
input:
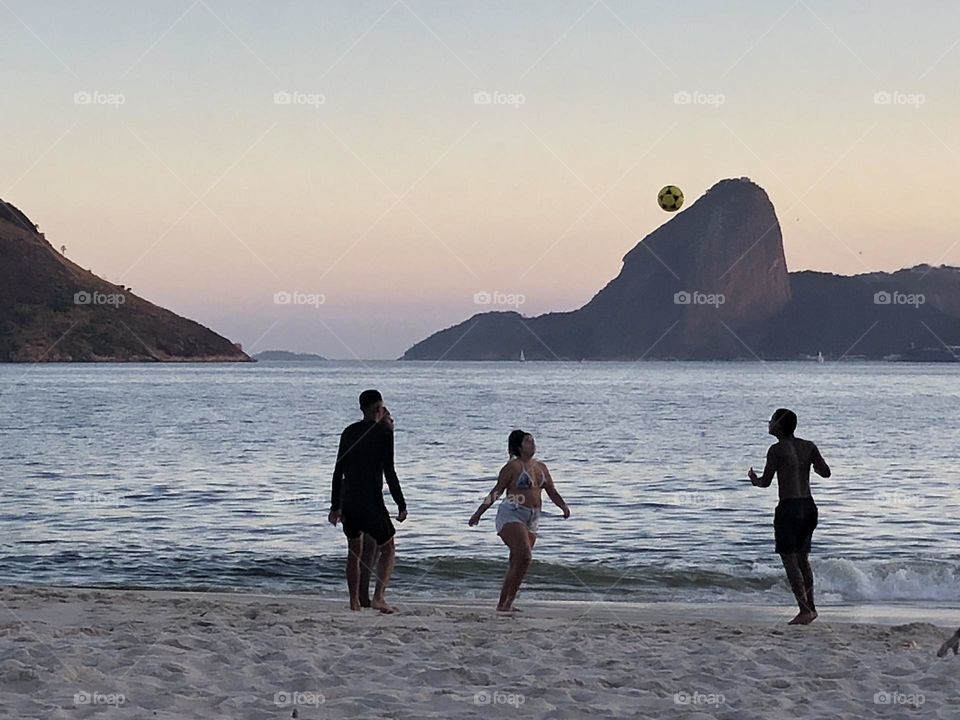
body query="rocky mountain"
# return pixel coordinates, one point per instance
(51, 309)
(874, 315)
(712, 284)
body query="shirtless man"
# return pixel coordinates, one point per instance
(796, 516)
(518, 517)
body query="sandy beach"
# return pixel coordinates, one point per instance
(76, 653)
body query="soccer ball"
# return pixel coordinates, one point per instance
(670, 198)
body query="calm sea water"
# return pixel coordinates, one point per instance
(218, 476)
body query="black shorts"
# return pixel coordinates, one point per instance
(375, 521)
(793, 525)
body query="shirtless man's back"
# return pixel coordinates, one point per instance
(791, 458)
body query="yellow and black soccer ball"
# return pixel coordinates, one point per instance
(670, 198)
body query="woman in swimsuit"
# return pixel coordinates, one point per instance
(523, 479)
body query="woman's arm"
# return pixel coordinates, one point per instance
(503, 482)
(552, 492)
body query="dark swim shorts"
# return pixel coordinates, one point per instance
(375, 521)
(793, 525)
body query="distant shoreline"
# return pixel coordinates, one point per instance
(545, 361)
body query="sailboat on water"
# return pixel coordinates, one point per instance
(522, 357)
(819, 357)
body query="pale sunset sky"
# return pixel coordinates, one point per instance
(149, 139)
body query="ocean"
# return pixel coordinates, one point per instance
(218, 477)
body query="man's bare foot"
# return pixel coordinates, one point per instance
(382, 606)
(365, 602)
(804, 618)
(507, 609)
(355, 605)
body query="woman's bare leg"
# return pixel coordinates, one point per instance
(515, 537)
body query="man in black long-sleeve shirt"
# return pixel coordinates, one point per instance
(364, 457)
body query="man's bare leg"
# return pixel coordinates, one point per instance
(807, 573)
(367, 559)
(791, 563)
(354, 548)
(515, 537)
(385, 564)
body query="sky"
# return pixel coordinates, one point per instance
(349, 177)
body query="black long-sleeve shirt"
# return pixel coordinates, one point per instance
(364, 457)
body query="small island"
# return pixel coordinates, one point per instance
(287, 356)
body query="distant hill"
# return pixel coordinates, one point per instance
(52, 310)
(712, 284)
(287, 356)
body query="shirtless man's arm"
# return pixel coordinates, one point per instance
(819, 464)
(552, 492)
(768, 471)
(503, 482)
